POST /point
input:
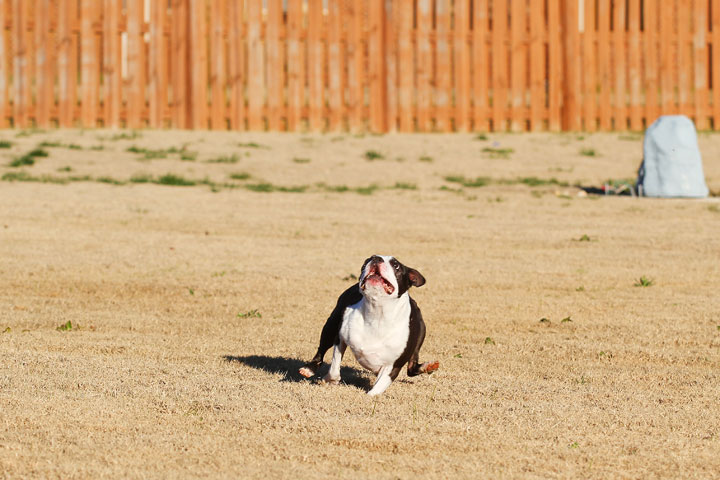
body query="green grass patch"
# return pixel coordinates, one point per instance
(644, 282)
(152, 154)
(254, 313)
(38, 152)
(369, 190)
(175, 181)
(125, 136)
(373, 155)
(240, 176)
(26, 177)
(498, 152)
(109, 180)
(252, 145)
(187, 156)
(538, 182)
(25, 160)
(65, 327)
(64, 169)
(426, 158)
(588, 152)
(482, 137)
(301, 160)
(469, 182)
(5, 144)
(225, 159)
(141, 178)
(404, 186)
(333, 188)
(97, 148)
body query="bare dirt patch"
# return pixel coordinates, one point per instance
(191, 308)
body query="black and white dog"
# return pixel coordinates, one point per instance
(380, 323)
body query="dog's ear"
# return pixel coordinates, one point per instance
(415, 277)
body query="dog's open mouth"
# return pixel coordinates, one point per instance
(374, 277)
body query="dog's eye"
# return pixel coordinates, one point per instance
(397, 267)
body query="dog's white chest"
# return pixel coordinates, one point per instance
(377, 337)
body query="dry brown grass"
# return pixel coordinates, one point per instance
(160, 377)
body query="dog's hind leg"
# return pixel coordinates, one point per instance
(330, 332)
(417, 336)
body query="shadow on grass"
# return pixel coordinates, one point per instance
(289, 367)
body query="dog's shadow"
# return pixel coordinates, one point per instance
(289, 367)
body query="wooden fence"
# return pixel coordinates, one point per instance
(379, 65)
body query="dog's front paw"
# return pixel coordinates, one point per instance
(306, 372)
(327, 379)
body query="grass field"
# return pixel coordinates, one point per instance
(159, 290)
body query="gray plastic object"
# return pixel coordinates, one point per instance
(672, 166)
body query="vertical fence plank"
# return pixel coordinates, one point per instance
(443, 85)
(179, 111)
(217, 65)
(376, 58)
(296, 64)
(667, 80)
(683, 55)
(555, 66)
(198, 64)
(634, 65)
(619, 110)
(405, 65)
(700, 53)
(424, 65)
(391, 61)
(111, 63)
(21, 79)
(590, 56)
(43, 65)
(480, 65)
(4, 70)
(571, 44)
(356, 65)
(316, 62)
(336, 63)
(461, 29)
(236, 51)
(518, 62)
(604, 70)
(651, 61)
(157, 64)
(65, 74)
(274, 64)
(715, 65)
(135, 64)
(499, 64)
(88, 59)
(537, 64)
(256, 65)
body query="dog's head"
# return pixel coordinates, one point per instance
(385, 277)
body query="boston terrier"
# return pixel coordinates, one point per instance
(380, 323)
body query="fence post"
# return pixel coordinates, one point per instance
(376, 59)
(3, 65)
(20, 60)
(157, 66)
(316, 62)
(88, 61)
(571, 40)
(198, 64)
